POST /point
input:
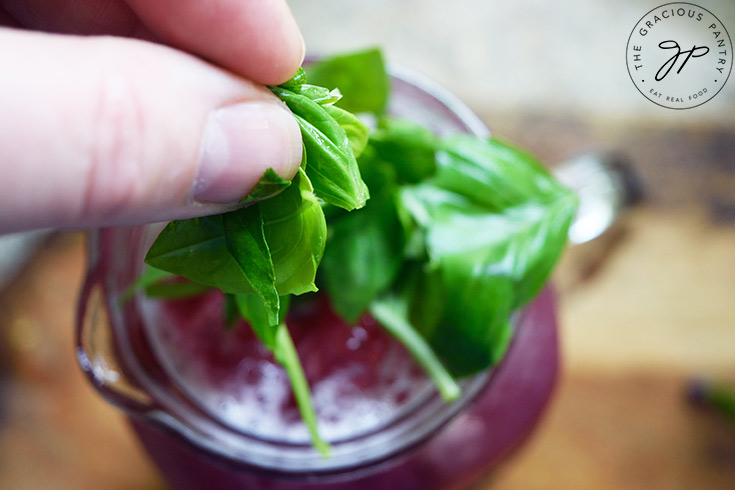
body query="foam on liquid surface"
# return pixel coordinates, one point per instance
(360, 378)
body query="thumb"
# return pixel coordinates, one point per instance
(104, 131)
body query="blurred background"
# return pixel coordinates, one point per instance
(644, 309)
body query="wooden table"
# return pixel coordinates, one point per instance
(643, 310)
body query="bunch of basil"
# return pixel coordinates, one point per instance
(458, 232)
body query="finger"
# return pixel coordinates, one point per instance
(101, 131)
(88, 17)
(257, 39)
(254, 38)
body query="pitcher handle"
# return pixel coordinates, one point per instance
(95, 350)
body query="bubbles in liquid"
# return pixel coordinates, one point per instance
(359, 377)
(359, 335)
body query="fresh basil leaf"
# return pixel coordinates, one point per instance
(320, 95)
(269, 185)
(161, 284)
(296, 233)
(277, 339)
(495, 223)
(415, 248)
(409, 147)
(332, 170)
(196, 249)
(331, 166)
(360, 76)
(150, 275)
(477, 310)
(355, 130)
(379, 174)
(245, 239)
(534, 210)
(493, 174)
(400, 152)
(298, 79)
(363, 255)
(423, 287)
(294, 229)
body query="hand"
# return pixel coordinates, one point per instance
(140, 127)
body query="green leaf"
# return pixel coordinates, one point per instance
(423, 288)
(269, 185)
(409, 147)
(355, 130)
(150, 275)
(245, 238)
(294, 229)
(360, 76)
(363, 255)
(493, 174)
(331, 166)
(161, 284)
(196, 249)
(496, 223)
(533, 211)
(296, 233)
(321, 95)
(476, 312)
(298, 79)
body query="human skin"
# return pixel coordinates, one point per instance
(121, 112)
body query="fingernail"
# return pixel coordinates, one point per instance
(239, 143)
(303, 49)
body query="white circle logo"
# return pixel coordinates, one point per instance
(679, 55)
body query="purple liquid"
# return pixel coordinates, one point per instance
(359, 377)
(351, 364)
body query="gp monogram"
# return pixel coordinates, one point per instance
(679, 55)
